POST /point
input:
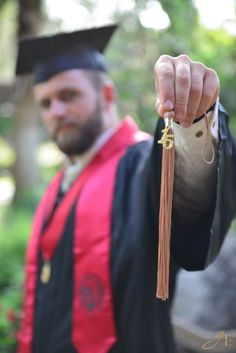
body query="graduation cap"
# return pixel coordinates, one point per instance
(49, 55)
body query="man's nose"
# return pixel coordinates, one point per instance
(58, 109)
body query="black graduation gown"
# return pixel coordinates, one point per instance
(142, 321)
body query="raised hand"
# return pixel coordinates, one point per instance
(186, 87)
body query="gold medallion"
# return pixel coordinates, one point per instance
(46, 272)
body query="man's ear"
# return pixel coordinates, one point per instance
(109, 93)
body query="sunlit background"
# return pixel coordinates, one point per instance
(74, 14)
(213, 14)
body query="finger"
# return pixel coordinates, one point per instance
(157, 105)
(164, 81)
(195, 94)
(159, 108)
(210, 92)
(182, 87)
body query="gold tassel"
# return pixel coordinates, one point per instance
(165, 212)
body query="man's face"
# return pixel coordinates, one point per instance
(71, 110)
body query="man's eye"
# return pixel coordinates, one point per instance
(68, 95)
(45, 104)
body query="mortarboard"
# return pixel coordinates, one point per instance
(46, 56)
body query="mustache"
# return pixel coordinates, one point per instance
(60, 124)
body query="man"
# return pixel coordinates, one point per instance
(91, 262)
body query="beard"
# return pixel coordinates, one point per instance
(74, 137)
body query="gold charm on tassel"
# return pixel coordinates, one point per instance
(46, 272)
(167, 138)
(165, 211)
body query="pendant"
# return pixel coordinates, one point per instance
(46, 272)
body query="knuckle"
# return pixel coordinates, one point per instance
(182, 77)
(164, 70)
(212, 75)
(164, 58)
(199, 66)
(183, 74)
(183, 57)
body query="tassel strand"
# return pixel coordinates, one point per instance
(165, 212)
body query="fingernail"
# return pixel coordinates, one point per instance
(168, 105)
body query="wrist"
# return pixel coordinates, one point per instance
(211, 109)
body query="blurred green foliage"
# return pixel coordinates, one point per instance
(6, 154)
(13, 238)
(8, 26)
(134, 50)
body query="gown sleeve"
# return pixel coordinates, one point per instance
(198, 232)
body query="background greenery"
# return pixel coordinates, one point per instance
(131, 57)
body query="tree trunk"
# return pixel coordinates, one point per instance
(26, 134)
(26, 137)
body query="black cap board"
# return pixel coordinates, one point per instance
(46, 56)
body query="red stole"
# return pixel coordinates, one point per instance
(93, 327)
